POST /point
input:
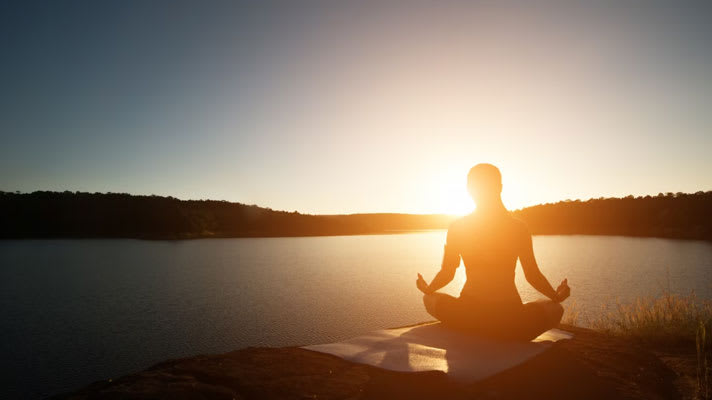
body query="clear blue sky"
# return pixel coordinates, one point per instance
(355, 107)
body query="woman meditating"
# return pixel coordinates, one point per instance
(489, 241)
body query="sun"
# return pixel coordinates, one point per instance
(459, 202)
(453, 198)
(447, 193)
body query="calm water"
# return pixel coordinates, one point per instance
(77, 311)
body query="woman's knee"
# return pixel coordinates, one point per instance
(556, 312)
(436, 304)
(550, 310)
(430, 300)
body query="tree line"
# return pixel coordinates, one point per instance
(67, 214)
(667, 215)
(119, 215)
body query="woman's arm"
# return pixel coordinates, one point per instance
(443, 277)
(536, 278)
(451, 260)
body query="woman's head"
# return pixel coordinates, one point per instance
(484, 182)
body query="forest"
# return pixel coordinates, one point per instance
(667, 215)
(67, 214)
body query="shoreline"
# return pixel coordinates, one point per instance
(593, 365)
(277, 236)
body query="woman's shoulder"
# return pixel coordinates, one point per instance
(519, 226)
(459, 227)
(456, 225)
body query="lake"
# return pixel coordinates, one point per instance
(78, 311)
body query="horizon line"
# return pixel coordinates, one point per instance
(640, 196)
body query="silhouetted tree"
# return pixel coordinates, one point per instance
(68, 214)
(679, 215)
(76, 214)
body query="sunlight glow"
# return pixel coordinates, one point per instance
(449, 193)
(459, 203)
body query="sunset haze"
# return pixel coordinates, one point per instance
(348, 108)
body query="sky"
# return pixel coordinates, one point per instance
(347, 107)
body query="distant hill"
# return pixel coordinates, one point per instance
(119, 215)
(671, 215)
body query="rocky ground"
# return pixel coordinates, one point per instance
(591, 366)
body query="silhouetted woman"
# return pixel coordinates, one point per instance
(489, 241)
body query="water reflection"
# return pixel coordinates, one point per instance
(76, 311)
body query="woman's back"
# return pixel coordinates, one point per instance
(489, 246)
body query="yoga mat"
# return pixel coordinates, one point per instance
(464, 358)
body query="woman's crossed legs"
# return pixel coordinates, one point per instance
(520, 323)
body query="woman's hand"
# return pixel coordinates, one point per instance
(422, 285)
(563, 291)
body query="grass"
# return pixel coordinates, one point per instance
(668, 319)
(704, 391)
